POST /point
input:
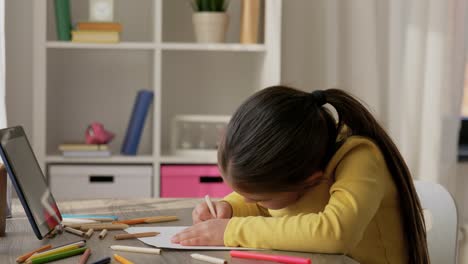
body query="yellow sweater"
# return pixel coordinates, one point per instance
(354, 211)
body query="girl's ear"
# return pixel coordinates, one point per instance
(313, 179)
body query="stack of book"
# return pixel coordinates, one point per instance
(84, 150)
(97, 32)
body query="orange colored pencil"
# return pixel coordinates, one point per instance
(25, 256)
(133, 221)
(159, 219)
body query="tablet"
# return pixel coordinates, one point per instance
(28, 180)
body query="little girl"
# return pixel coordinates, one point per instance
(305, 181)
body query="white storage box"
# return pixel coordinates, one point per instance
(68, 182)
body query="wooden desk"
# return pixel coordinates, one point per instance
(20, 237)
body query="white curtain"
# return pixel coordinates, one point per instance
(405, 58)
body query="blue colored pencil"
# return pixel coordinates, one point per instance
(89, 216)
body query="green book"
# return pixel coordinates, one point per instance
(58, 256)
(63, 19)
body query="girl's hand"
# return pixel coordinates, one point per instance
(202, 212)
(206, 233)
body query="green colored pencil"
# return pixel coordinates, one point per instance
(57, 256)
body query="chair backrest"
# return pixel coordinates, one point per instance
(440, 213)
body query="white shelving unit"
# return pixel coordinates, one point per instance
(78, 83)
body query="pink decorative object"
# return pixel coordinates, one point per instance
(96, 134)
(192, 181)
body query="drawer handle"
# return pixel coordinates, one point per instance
(210, 179)
(101, 178)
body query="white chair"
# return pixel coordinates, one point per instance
(440, 213)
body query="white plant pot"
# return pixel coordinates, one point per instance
(210, 27)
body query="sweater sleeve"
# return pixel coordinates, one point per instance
(354, 200)
(240, 208)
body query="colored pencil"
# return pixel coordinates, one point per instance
(58, 256)
(77, 221)
(210, 206)
(122, 260)
(270, 257)
(160, 219)
(92, 217)
(105, 260)
(25, 256)
(97, 227)
(61, 248)
(74, 231)
(135, 235)
(103, 234)
(136, 249)
(208, 259)
(85, 256)
(89, 233)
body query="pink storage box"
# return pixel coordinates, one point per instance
(192, 181)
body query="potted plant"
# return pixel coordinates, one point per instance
(210, 20)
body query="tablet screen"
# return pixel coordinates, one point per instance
(29, 181)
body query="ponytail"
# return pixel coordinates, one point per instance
(360, 121)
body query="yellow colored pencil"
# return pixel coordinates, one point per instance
(122, 260)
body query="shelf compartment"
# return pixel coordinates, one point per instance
(121, 45)
(137, 19)
(178, 26)
(85, 86)
(212, 84)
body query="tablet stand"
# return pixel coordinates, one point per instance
(3, 200)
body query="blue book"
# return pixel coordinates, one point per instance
(137, 121)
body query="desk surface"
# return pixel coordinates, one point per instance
(20, 237)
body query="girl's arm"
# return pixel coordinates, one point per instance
(240, 208)
(355, 198)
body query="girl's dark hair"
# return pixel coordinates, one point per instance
(280, 136)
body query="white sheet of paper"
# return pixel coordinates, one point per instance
(163, 240)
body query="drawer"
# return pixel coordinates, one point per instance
(192, 181)
(98, 181)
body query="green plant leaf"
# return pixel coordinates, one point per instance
(209, 5)
(205, 5)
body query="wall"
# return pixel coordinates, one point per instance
(303, 50)
(18, 45)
